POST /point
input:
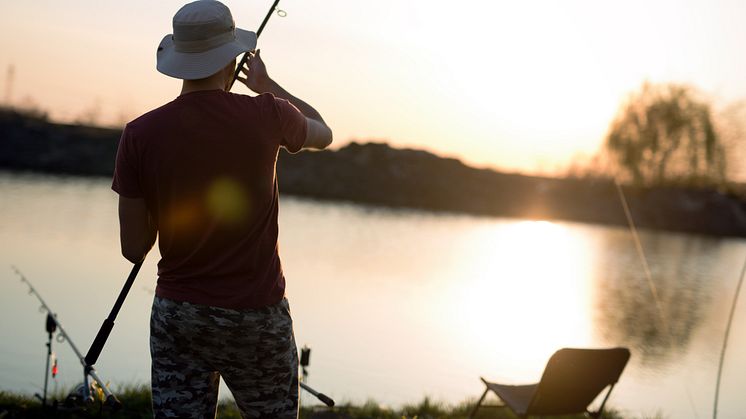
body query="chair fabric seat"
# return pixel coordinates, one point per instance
(517, 398)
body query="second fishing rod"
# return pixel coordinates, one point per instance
(53, 324)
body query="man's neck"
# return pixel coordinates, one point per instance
(212, 83)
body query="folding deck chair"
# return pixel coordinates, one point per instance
(572, 379)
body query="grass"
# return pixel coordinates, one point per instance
(136, 404)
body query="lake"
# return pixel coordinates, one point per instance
(399, 304)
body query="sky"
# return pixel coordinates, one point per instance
(527, 86)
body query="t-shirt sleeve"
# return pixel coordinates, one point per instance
(290, 124)
(126, 180)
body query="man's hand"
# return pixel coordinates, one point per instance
(318, 134)
(256, 77)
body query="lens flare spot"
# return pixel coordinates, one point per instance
(182, 215)
(227, 201)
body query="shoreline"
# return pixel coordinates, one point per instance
(378, 174)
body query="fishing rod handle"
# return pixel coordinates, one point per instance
(323, 397)
(108, 324)
(98, 344)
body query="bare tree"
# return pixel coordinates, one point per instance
(665, 134)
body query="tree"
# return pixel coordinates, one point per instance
(665, 134)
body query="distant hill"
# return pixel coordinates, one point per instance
(32, 143)
(375, 173)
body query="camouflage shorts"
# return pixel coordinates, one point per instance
(254, 351)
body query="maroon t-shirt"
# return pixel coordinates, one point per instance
(205, 165)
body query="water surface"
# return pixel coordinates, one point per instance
(396, 304)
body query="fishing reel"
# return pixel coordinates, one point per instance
(84, 394)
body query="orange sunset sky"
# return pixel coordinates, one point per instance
(525, 86)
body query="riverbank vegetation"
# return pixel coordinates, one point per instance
(136, 404)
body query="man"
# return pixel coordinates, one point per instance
(199, 172)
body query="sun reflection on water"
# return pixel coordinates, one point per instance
(524, 294)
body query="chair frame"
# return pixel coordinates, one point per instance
(592, 414)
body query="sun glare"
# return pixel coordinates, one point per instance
(524, 296)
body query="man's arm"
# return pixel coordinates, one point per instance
(318, 134)
(137, 232)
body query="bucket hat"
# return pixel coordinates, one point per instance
(204, 40)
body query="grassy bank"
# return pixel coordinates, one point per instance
(136, 404)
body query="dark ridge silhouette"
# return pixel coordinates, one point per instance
(33, 143)
(375, 173)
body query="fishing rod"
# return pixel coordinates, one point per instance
(103, 333)
(725, 341)
(245, 57)
(648, 274)
(643, 259)
(88, 371)
(321, 396)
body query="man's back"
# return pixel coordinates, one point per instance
(199, 173)
(205, 165)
